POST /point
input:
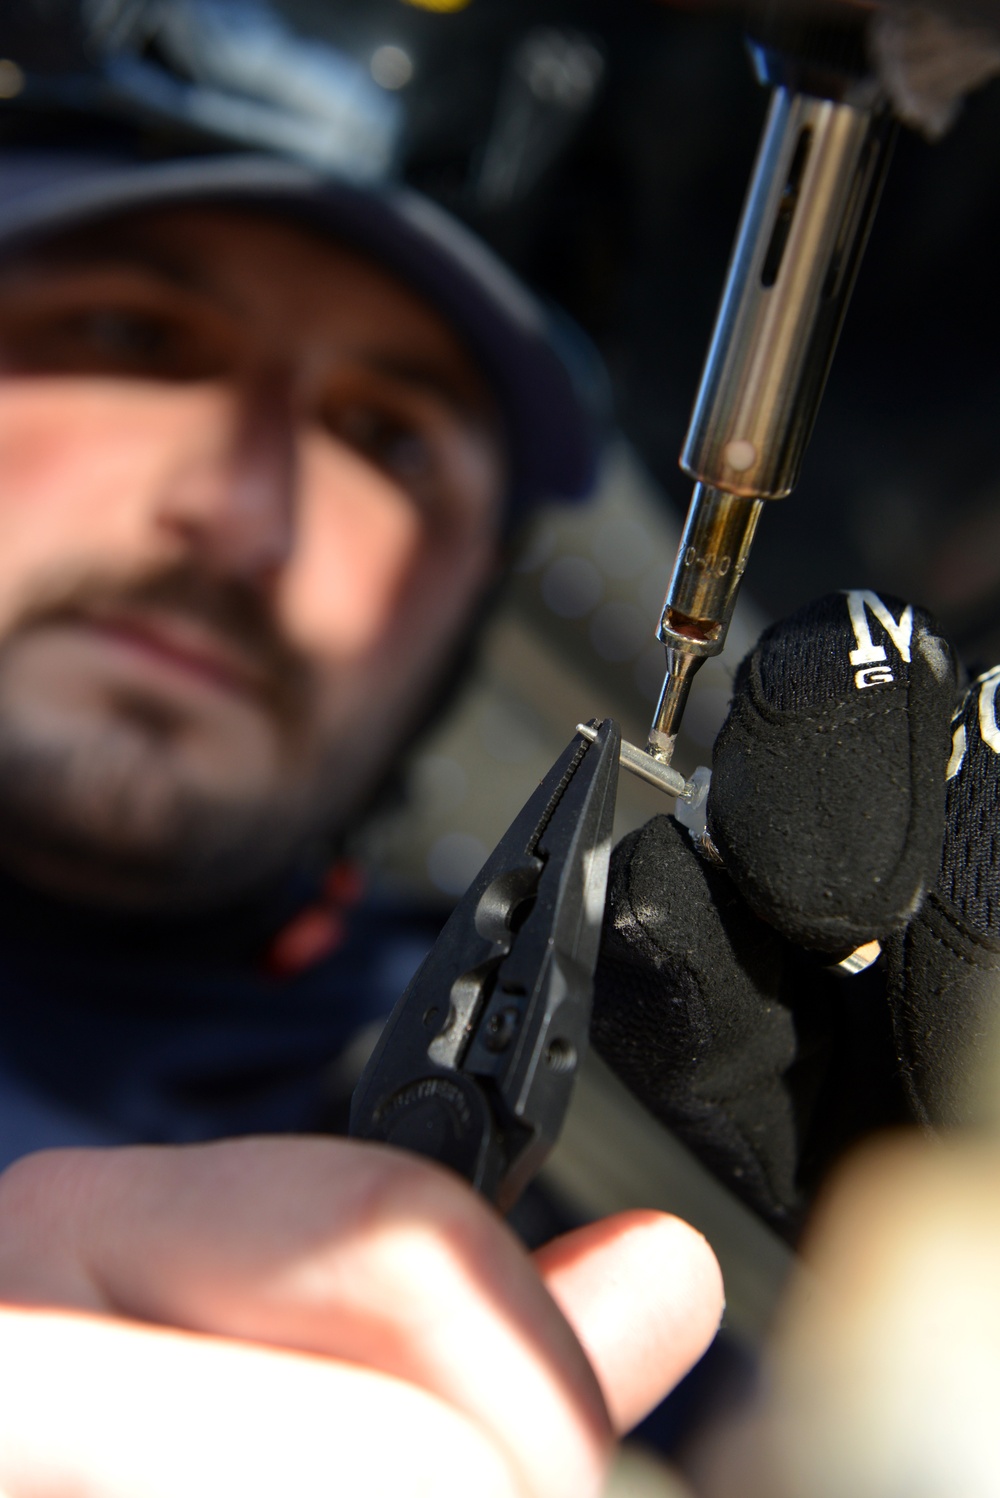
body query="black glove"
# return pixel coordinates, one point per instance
(848, 804)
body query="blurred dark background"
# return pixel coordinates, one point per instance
(630, 228)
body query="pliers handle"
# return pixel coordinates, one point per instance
(476, 1064)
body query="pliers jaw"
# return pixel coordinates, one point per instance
(475, 1067)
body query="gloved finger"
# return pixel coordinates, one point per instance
(944, 968)
(327, 1246)
(691, 1011)
(827, 797)
(115, 1410)
(639, 1345)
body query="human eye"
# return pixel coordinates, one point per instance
(104, 336)
(396, 443)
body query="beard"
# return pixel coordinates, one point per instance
(108, 810)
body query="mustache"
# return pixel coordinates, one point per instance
(234, 610)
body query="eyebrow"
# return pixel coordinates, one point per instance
(135, 257)
(424, 375)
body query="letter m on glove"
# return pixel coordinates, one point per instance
(867, 654)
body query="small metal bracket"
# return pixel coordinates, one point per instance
(639, 763)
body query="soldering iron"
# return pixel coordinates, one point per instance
(813, 194)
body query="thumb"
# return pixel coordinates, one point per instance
(643, 1293)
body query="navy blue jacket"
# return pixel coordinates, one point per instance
(121, 1030)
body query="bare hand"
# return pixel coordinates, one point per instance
(313, 1316)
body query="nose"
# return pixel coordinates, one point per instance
(229, 495)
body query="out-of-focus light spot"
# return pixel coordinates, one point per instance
(391, 67)
(622, 548)
(705, 713)
(11, 79)
(740, 454)
(618, 631)
(439, 783)
(649, 672)
(538, 548)
(442, 7)
(559, 67)
(509, 734)
(572, 587)
(652, 589)
(454, 861)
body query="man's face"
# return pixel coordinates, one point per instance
(249, 490)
